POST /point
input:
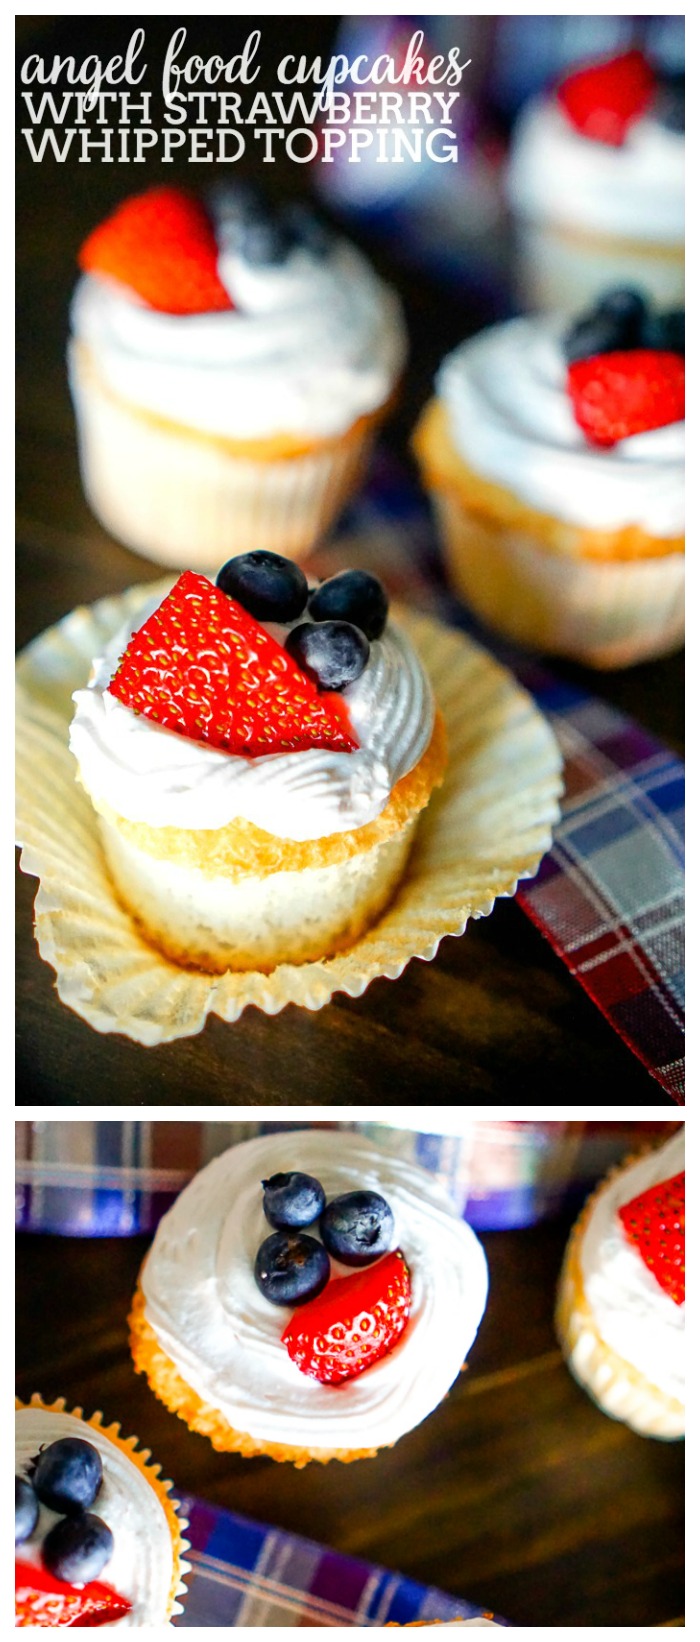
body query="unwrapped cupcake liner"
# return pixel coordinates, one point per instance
(487, 828)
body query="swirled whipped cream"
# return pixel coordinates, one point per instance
(308, 347)
(630, 1309)
(225, 1338)
(511, 420)
(140, 1568)
(153, 775)
(635, 191)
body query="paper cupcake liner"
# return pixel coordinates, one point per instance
(487, 828)
(618, 1388)
(609, 614)
(186, 500)
(558, 267)
(140, 1457)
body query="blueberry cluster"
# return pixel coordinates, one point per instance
(265, 234)
(341, 616)
(67, 1477)
(669, 101)
(620, 321)
(291, 1267)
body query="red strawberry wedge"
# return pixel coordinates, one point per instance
(203, 667)
(615, 395)
(655, 1223)
(354, 1323)
(604, 100)
(42, 1600)
(162, 246)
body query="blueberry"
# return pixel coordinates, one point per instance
(591, 335)
(292, 1200)
(264, 242)
(627, 306)
(269, 587)
(333, 653)
(291, 1268)
(26, 1510)
(238, 201)
(354, 595)
(669, 102)
(357, 1227)
(76, 1549)
(67, 1475)
(307, 229)
(665, 331)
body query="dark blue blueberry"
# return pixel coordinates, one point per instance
(67, 1475)
(669, 102)
(264, 242)
(307, 229)
(26, 1510)
(76, 1549)
(269, 587)
(333, 653)
(355, 596)
(291, 1268)
(665, 331)
(357, 1227)
(234, 205)
(626, 305)
(614, 324)
(292, 1200)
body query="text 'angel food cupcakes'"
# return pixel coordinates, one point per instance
(621, 1306)
(308, 1300)
(97, 1537)
(229, 367)
(258, 753)
(554, 453)
(596, 185)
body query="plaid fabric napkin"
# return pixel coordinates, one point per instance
(245, 1574)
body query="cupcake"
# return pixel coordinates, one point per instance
(307, 1299)
(596, 185)
(97, 1537)
(621, 1304)
(228, 367)
(258, 753)
(554, 455)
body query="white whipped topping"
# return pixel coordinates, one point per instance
(635, 191)
(308, 348)
(225, 1338)
(630, 1309)
(140, 1568)
(512, 420)
(163, 779)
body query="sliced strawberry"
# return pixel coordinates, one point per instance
(615, 395)
(42, 1600)
(354, 1323)
(655, 1223)
(604, 100)
(205, 668)
(162, 245)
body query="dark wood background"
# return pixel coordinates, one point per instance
(495, 1017)
(516, 1493)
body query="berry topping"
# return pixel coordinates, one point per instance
(669, 102)
(604, 100)
(76, 1549)
(655, 1223)
(616, 395)
(291, 1268)
(666, 332)
(355, 596)
(264, 242)
(355, 1323)
(42, 1600)
(203, 667)
(616, 323)
(333, 653)
(161, 244)
(26, 1510)
(269, 587)
(307, 230)
(357, 1227)
(67, 1475)
(292, 1200)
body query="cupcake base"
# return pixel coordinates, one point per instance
(560, 267)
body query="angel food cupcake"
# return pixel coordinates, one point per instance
(554, 453)
(308, 1300)
(596, 185)
(228, 367)
(258, 753)
(621, 1306)
(97, 1537)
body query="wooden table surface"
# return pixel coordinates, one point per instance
(495, 1017)
(516, 1493)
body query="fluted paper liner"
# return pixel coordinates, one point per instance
(488, 827)
(141, 1457)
